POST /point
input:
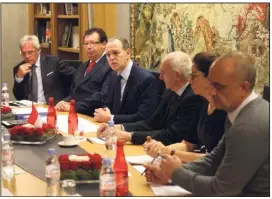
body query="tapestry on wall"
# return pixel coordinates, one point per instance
(157, 29)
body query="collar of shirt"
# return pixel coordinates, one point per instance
(126, 72)
(181, 90)
(98, 58)
(232, 115)
(38, 63)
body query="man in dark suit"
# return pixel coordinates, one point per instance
(133, 93)
(39, 77)
(89, 85)
(177, 114)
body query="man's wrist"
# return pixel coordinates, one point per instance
(18, 79)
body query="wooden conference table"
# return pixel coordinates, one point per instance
(28, 185)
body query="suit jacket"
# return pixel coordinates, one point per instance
(89, 91)
(173, 120)
(140, 97)
(53, 71)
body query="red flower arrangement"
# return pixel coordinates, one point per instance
(26, 133)
(5, 109)
(80, 170)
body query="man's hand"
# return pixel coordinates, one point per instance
(100, 131)
(169, 164)
(123, 135)
(153, 147)
(102, 115)
(155, 174)
(23, 70)
(63, 106)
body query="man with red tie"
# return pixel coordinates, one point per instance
(90, 84)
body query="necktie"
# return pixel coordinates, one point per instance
(117, 96)
(33, 94)
(90, 67)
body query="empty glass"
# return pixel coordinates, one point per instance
(68, 188)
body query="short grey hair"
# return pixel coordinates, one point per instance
(124, 42)
(180, 62)
(33, 38)
(244, 67)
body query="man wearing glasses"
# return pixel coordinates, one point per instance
(89, 85)
(38, 76)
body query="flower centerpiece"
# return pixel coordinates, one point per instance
(6, 113)
(84, 167)
(29, 132)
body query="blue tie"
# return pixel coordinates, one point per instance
(117, 96)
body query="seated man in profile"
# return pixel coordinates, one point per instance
(240, 164)
(89, 83)
(177, 114)
(133, 92)
(38, 76)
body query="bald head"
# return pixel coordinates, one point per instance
(239, 65)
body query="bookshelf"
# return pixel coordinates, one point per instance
(60, 28)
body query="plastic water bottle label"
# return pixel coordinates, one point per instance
(7, 156)
(52, 171)
(108, 182)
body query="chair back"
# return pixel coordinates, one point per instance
(266, 92)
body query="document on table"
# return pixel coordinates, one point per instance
(6, 192)
(95, 140)
(83, 124)
(141, 159)
(18, 111)
(164, 190)
(168, 190)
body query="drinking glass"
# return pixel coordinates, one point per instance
(68, 187)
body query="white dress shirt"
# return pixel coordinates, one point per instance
(41, 97)
(232, 115)
(125, 75)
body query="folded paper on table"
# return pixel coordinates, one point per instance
(23, 113)
(96, 140)
(139, 168)
(19, 171)
(168, 190)
(141, 159)
(83, 124)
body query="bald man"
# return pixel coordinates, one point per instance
(239, 165)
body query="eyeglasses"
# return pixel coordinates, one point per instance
(91, 43)
(30, 53)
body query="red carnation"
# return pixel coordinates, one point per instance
(86, 164)
(64, 157)
(64, 165)
(29, 131)
(39, 131)
(5, 109)
(96, 159)
(74, 165)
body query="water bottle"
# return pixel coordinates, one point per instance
(5, 95)
(110, 140)
(121, 171)
(51, 114)
(72, 118)
(107, 179)
(8, 170)
(52, 174)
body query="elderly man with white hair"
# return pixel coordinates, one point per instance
(177, 114)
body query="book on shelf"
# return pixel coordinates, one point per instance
(39, 31)
(48, 32)
(45, 9)
(68, 8)
(66, 35)
(75, 37)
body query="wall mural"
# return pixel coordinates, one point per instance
(157, 29)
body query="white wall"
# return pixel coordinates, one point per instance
(14, 26)
(123, 21)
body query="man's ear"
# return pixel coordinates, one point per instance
(128, 51)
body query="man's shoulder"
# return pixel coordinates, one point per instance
(141, 73)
